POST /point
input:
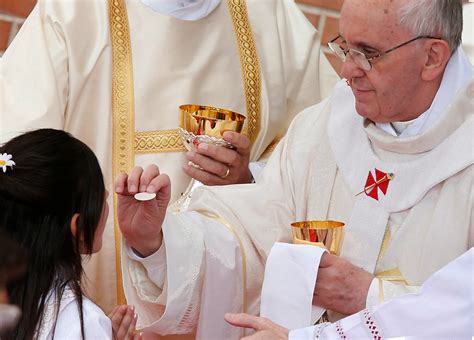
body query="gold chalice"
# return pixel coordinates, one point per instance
(207, 124)
(325, 234)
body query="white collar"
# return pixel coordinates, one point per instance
(190, 10)
(458, 72)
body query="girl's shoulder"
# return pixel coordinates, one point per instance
(68, 326)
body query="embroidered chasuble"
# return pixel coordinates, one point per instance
(58, 73)
(213, 256)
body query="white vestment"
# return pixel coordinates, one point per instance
(68, 326)
(213, 256)
(441, 310)
(57, 73)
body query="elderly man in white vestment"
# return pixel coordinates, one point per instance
(390, 153)
(113, 73)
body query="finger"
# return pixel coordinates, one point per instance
(241, 142)
(208, 164)
(150, 172)
(121, 183)
(137, 335)
(218, 153)
(245, 320)
(131, 328)
(202, 176)
(134, 179)
(125, 324)
(160, 185)
(117, 318)
(113, 312)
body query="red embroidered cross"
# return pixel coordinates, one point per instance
(381, 182)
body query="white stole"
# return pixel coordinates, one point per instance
(355, 157)
(287, 291)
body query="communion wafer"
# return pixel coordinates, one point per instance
(145, 196)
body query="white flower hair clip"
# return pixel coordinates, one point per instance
(6, 160)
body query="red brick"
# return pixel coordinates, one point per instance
(331, 29)
(329, 4)
(19, 8)
(313, 19)
(5, 28)
(335, 62)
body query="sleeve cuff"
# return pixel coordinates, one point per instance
(256, 169)
(155, 264)
(375, 294)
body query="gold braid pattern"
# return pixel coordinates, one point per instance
(250, 66)
(123, 112)
(158, 141)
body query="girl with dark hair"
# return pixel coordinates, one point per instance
(53, 204)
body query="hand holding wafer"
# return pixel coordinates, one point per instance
(143, 198)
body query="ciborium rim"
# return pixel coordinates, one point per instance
(211, 112)
(318, 224)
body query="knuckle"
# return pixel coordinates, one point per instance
(233, 157)
(245, 142)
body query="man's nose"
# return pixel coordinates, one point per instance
(350, 69)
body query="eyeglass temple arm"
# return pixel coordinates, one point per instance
(333, 40)
(406, 43)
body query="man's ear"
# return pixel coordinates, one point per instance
(74, 220)
(438, 53)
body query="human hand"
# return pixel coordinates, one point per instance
(265, 329)
(341, 286)
(124, 322)
(140, 222)
(220, 165)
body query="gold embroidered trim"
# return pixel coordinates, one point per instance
(158, 141)
(394, 275)
(250, 66)
(270, 148)
(381, 291)
(123, 113)
(385, 242)
(242, 251)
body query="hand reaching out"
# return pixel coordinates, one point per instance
(140, 222)
(265, 329)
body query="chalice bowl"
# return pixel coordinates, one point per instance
(326, 234)
(207, 124)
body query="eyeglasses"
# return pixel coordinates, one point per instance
(360, 58)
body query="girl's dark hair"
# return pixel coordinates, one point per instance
(55, 176)
(13, 260)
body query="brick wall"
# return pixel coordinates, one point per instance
(324, 15)
(12, 15)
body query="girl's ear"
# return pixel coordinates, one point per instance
(74, 219)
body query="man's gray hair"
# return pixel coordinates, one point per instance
(436, 18)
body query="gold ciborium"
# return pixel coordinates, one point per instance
(207, 124)
(325, 234)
